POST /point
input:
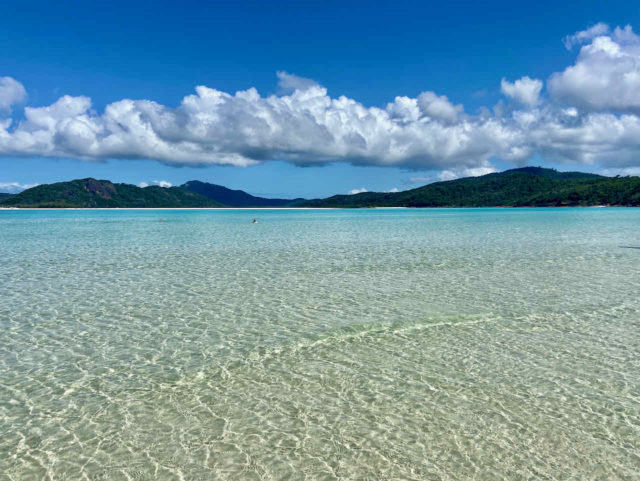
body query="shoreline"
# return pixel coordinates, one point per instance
(174, 208)
(324, 208)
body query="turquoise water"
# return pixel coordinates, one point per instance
(444, 344)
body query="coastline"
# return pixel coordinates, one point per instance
(175, 208)
(327, 208)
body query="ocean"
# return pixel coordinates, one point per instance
(377, 344)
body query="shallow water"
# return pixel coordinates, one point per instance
(443, 344)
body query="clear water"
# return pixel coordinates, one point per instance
(445, 344)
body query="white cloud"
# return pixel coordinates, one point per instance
(14, 187)
(605, 77)
(404, 109)
(582, 36)
(592, 117)
(307, 127)
(213, 127)
(525, 90)
(289, 82)
(474, 172)
(439, 107)
(596, 138)
(11, 92)
(357, 191)
(393, 191)
(161, 183)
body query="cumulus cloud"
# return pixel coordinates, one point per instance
(594, 138)
(584, 35)
(160, 183)
(592, 116)
(14, 187)
(358, 191)
(289, 82)
(427, 106)
(525, 90)
(11, 92)
(474, 172)
(438, 107)
(606, 75)
(305, 127)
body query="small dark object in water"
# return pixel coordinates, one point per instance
(630, 247)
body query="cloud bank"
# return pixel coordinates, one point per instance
(589, 114)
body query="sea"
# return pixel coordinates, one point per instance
(368, 344)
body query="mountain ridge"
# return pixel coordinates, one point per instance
(235, 198)
(90, 192)
(521, 187)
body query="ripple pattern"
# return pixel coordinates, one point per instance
(445, 344)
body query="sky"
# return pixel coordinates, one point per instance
(310, 99)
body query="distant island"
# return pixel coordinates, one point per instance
(523, 187)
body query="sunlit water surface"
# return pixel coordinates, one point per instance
(446, 344)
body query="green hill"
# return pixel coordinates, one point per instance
(528, 186)
(4, 195)
(235, 198)
(103, 193)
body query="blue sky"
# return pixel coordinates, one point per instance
(368, 52)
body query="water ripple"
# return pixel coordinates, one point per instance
(338, 345)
